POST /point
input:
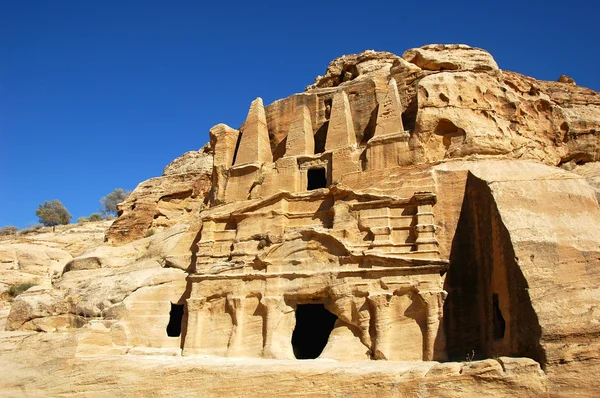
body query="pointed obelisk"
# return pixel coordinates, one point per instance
(340, 133)
(389, 113)
(254, 144)
(300, 138)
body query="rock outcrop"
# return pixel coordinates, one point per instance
(439, 57)
(192, 162)
(431, 209)
(162, 202)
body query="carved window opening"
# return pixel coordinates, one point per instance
(328, 103)
(231, 225)
(313, 327)
(499, 322)
(176, 317)
(317, 178)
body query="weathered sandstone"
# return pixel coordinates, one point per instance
(440, 57)
(402, 225)
(190, 162)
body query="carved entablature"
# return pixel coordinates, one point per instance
(333, 247)
(362, 224)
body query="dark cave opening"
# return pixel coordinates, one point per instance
(317, 178)
(313, 326)
(176, 316)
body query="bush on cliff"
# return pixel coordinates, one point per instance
(8, 230)
(19, 288)
(53, 213)
(109, 203)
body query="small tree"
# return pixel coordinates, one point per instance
(95, 217)
(53, 213)
(110, 202)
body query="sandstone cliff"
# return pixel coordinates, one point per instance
(429, 210)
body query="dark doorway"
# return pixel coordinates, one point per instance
(499, 322)
(317, 178)
(313, 326)
(174, 326)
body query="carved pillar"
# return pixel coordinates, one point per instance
(254, 144)
(425, 227)
(235, 307)
(340, 133)
(300, 138)
(381, 318)
(193, 337)
(389, 111)
(272, 317)
(434, 303)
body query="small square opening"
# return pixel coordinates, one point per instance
(317, 178)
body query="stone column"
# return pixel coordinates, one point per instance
(236, 307)
(254, 144)
(300, 138)
(193, 337)
(389, 112)
(434, 303)
(425, 227)
(340, 133)
(275, 324)
(379, 305)
(223, 140)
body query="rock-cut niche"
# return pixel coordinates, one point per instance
(488, 310)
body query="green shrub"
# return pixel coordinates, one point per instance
(150, 232)
(8, 230)
(19, 288)
(95, 217)
(32, 229)
(53, 213)
(92, 217)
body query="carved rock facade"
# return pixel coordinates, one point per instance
(401, 208)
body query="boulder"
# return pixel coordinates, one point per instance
(439, 57)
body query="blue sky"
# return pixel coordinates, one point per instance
(100, 95)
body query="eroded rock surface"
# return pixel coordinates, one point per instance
(402, 209)
(191, 162)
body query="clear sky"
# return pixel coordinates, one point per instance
(96, 95)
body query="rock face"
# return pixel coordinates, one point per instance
(162, 202)
(191, 162)
(439, 57)
(400, 209)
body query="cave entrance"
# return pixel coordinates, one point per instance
(176, 316)
(313, 326)
(317, 178)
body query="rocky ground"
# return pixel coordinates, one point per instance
(37, 255)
